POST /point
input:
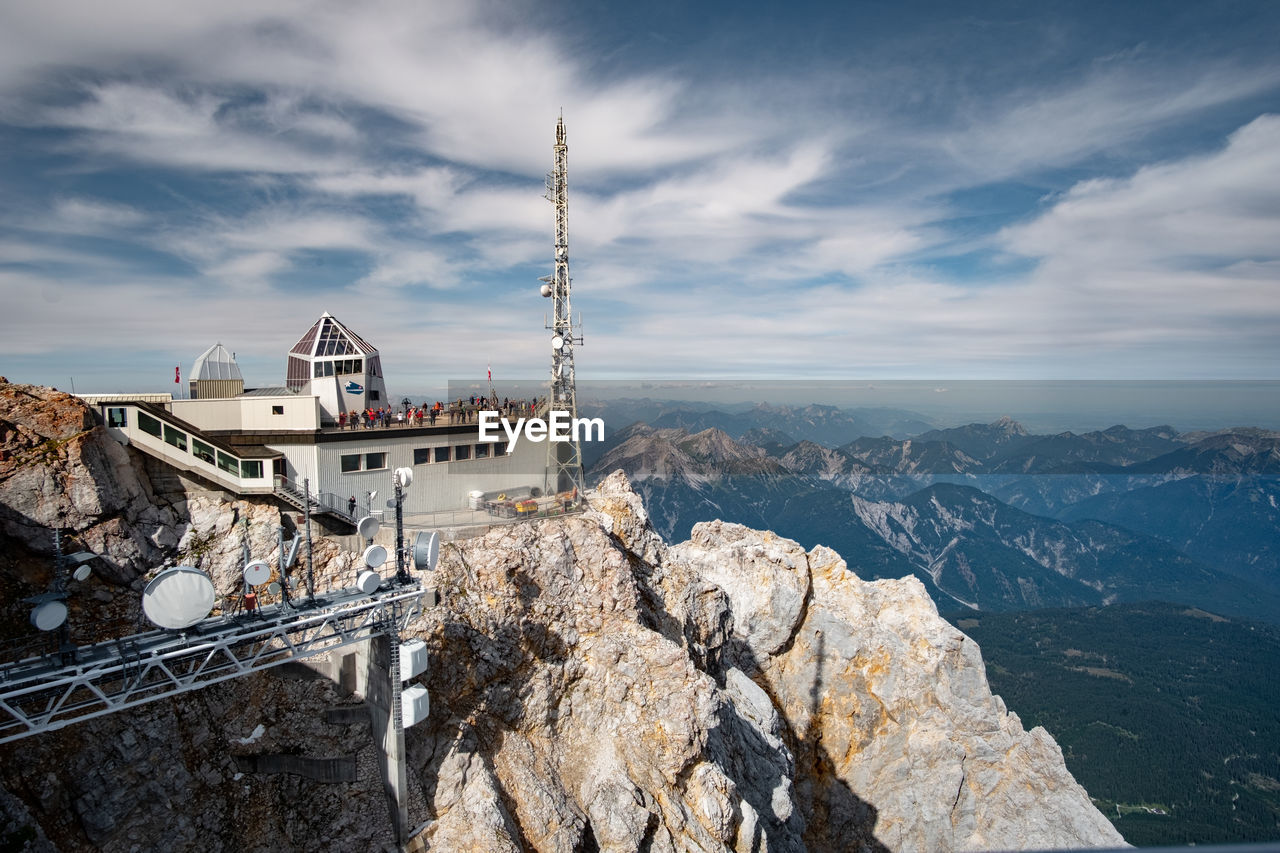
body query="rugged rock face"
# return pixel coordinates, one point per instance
(592, 689)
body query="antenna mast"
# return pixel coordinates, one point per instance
(564, 459)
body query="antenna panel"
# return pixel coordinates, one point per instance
(413, 659)
(292, 556)
(415, 705)
(368, 582)
(178, 597)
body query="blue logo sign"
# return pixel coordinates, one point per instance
(354, 388)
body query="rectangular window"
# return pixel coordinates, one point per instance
(202, 451)
(499, 448)
(441, 454)
(175, 437)
(328, 368)
(482, 451)
(277, 410)
(117, 418)
(252, 470)
(421, 455)
(148, 424)
(374, 394)
(316, 370)
(375, 461)
(351, 463)
(228, 463)
(462, 452)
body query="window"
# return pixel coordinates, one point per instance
(499, 448)
(442, 454)
(252, 469)
(482, 451)
(228, 463)
(117, 418)
(374, 394)
(421, 455)
(202, 451)
(363, 462)
(462, 452)
(148, 424)
(277, 410)
(175, 437)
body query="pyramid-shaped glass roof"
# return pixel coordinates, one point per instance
(329, 337)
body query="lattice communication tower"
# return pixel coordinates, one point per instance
(564, 459)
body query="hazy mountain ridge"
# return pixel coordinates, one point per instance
(1093, 541)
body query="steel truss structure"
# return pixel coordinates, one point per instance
(44, 694)
(564, 459)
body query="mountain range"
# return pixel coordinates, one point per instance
(988, 515)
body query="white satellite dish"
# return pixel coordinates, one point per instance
(404, 476)
(273, 588)
(368, 527)
(257, 573)
(49, 615)
(557, 342)
(82, 573)
(375, 556)
(178, 597)
(368, 582)
(426, 550)
(545, 290)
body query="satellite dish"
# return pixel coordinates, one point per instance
(368, 582)
(404, 476)
(293, 552)
(49, 615)
(545, 290)
(273, 588)
(178, 597)
(375, 556)
(426, 550)
(257, 573)
(557, 342)
(368, 527)
(82, 573)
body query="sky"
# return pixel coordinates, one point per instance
(879, 190)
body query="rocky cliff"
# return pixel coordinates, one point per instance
(592, 689)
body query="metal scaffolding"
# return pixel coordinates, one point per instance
(47, 693)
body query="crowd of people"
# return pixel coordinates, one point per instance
(460, 411)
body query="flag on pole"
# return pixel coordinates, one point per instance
(177, 377)
(491, 373)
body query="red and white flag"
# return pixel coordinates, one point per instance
(177, 378)
(491, 373)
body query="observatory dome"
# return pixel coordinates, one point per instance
(216, 363)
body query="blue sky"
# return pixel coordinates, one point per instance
(864, 190)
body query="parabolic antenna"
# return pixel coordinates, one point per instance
(426, 551)
(368, 582)
(404, 476)
(368, 527)
(273, 588)
(178, 597)
(545, 290)
(557, 342)
(82, 573)
(375, 556)
(257, 573)
(49, 615)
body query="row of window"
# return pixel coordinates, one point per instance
(343, 367)
(354, 462)
(249, 468)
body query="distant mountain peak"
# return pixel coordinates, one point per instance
(1009, 426)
